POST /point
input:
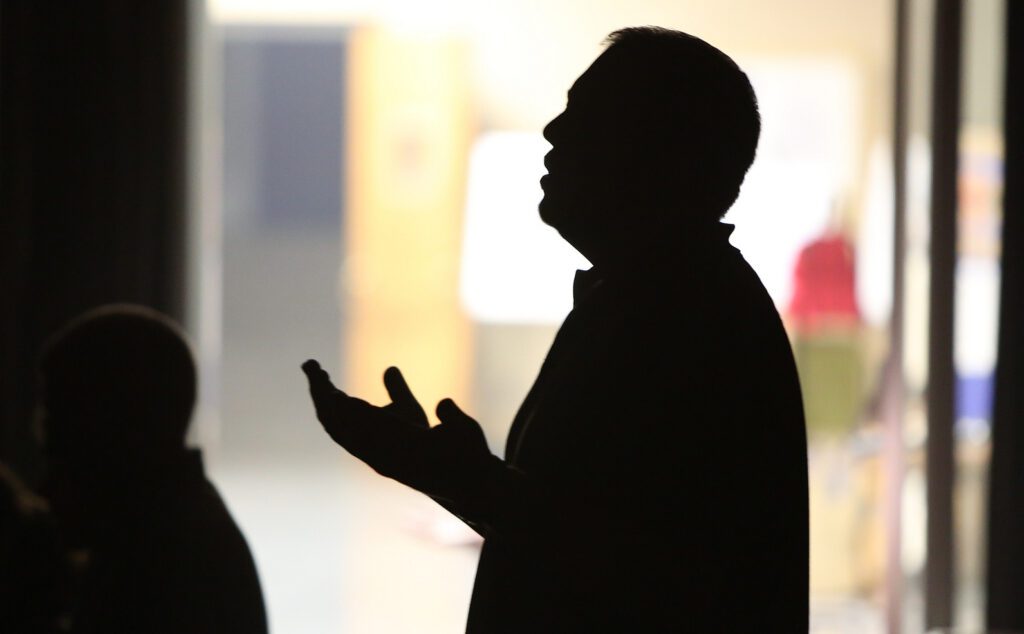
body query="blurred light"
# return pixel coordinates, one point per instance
(803, 167)
(515, 269)
(977, 315)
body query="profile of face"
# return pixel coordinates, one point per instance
(654, 143)
(604, 155)
(582, 162)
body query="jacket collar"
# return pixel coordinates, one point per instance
(660, 257)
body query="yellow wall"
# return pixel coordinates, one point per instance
(409, 131)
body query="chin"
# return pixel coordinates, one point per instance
(544, 208)
(552, 213)
(561, 218)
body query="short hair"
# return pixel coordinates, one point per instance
(124, 371)
(704, 103)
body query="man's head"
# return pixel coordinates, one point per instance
(658, 132)
(117, 380)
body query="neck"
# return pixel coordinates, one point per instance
(635, 251)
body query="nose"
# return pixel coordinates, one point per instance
(552, 128)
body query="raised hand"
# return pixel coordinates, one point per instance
(374, 435)
(396, 440)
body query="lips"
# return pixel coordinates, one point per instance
(547, 165)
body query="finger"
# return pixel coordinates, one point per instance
(397, 387)
(450, 413)
(403, 401)
(321, 389)
(318, 377)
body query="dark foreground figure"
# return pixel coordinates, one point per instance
(655, 477)
(152, 546)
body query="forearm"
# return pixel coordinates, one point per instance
(587, 531)
(507, 504)
(497, 501)
(483, 496)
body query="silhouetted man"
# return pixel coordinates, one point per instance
(157, 549)
(655, 476)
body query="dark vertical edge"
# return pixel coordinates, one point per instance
(92, 112)
(942, 256)
(171, 278)
(894, 384)
(1005, 575)
(16, 157)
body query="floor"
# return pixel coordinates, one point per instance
(340, 549)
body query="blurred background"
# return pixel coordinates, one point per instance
(351, 181)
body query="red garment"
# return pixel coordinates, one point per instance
(823, 284)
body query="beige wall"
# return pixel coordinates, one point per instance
(526, 53)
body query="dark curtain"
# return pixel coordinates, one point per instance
(92, 143)
(1005, 610)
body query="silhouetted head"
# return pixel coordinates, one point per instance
(657, 135)
(118, 383)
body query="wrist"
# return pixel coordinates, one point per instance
(482, 494)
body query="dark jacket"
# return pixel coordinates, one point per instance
(656, 474)
(160, 553)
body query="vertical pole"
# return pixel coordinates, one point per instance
(1005, 609)
(942, 255)
(203, 235)
(894, 390)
